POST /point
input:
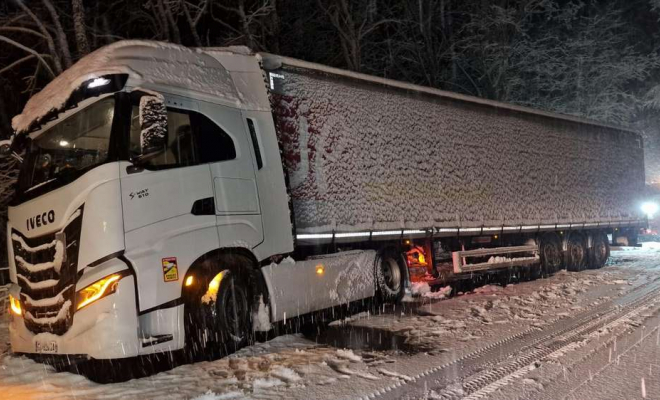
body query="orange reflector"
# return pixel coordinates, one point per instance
(320, 270)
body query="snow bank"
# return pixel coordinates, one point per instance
(422, 289)
(362, 157)
(261, 318)
(419, 288)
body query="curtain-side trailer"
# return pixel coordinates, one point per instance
(173, 198)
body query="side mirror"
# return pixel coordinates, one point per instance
(153, 125)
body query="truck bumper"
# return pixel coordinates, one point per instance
(105, 329)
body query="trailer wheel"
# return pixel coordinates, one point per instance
(600, 251)
(218, 312)
(551, 254)
(390, 275)
(576, 252)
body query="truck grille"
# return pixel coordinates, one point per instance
(46, 270)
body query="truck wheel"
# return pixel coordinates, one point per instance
(390, 275)
(218, 322)
(600, 251)
(576, 252)
(551, 254)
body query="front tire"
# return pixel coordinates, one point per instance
(218, 322)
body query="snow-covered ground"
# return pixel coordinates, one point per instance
(370, 352)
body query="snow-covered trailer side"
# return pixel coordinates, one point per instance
(371, 158)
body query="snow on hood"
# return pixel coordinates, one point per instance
(190, 70)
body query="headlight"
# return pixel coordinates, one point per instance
(15, 305)
(97, 290)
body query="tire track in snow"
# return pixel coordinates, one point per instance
(535, 343)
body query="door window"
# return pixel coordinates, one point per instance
(192, 138)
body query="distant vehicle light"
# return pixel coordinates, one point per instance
(64, 143)
(649, 208)
(98, 82)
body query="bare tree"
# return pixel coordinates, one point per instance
(61, 36)
(353, 22)
(79, 27)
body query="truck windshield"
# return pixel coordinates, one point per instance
(69, 148)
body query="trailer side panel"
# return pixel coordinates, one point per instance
(364, 156)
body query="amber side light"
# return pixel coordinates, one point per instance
(189, 280)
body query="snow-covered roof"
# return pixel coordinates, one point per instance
(225, 75)
(205, 73)
(273, 61)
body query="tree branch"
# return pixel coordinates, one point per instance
(29, 50)
(61, 36)
(44, 31)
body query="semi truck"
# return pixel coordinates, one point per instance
(172, 198)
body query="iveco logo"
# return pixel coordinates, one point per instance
(40, 220)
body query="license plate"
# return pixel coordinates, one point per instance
(45, 347)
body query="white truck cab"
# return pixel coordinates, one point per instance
(104, 231)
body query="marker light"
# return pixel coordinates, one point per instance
(15, 305)
(99, 289)
(98, 82)
(189, 280)
(649, 208)
(320, 270)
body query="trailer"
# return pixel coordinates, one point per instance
(182, 199)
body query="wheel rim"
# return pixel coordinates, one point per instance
(600, 252)
(577, 253)
(235, 310)
(551, 255)
(391, 274)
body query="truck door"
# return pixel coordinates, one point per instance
(165, 201)
(236, 197)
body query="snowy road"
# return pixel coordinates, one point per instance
(587, 335)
